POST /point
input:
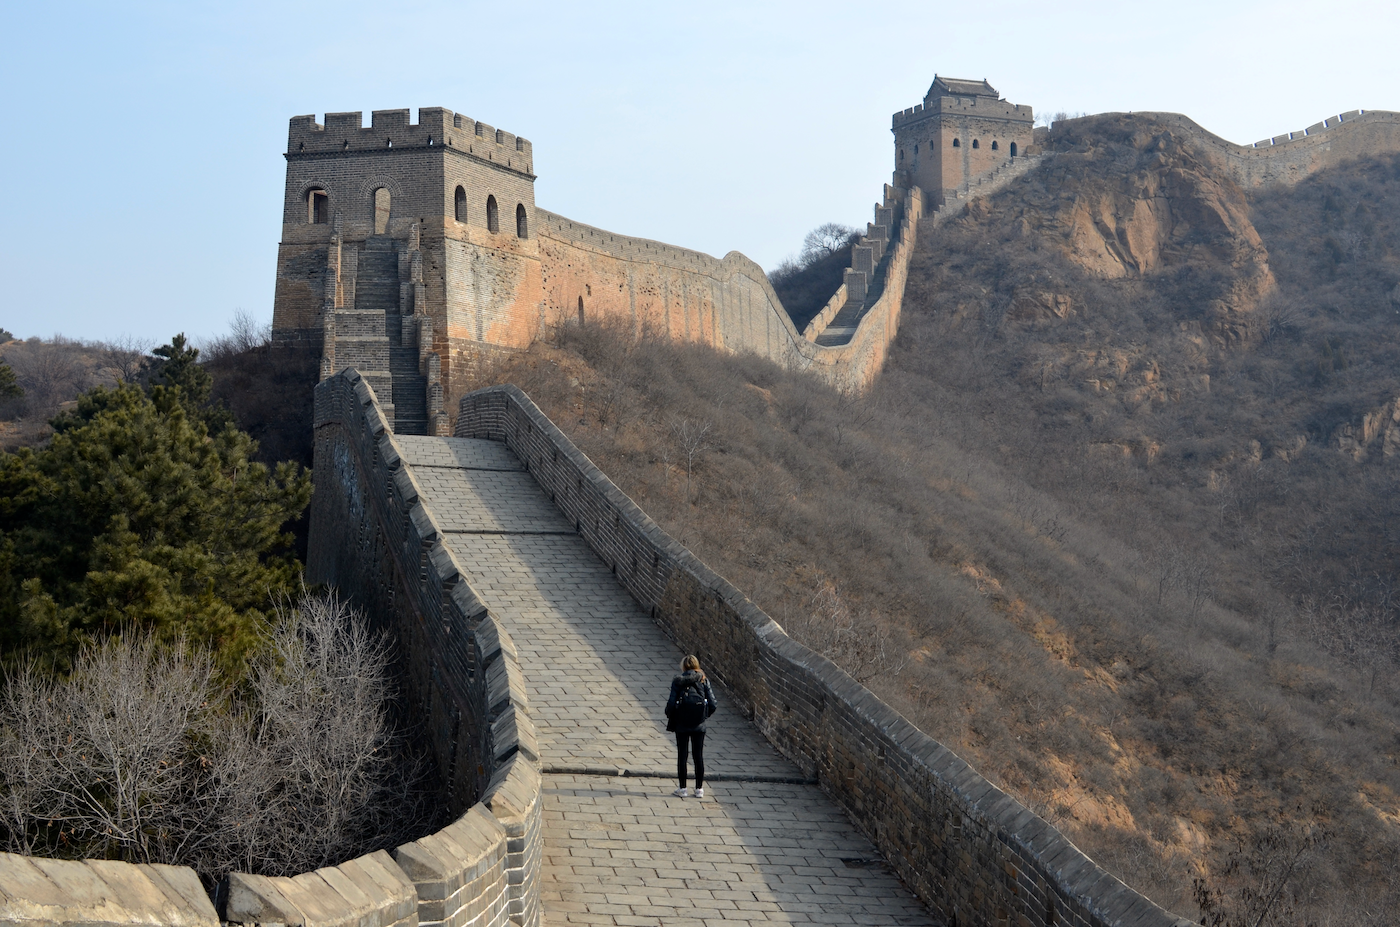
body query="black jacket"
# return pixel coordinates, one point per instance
(681, 682)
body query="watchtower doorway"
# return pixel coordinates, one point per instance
(381, 211)
(318, 207)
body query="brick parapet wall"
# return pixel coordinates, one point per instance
(1286, 158)
(377, 543)
(970, 851)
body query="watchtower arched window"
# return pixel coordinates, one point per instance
(317, 206)
(522, 225)
(580, 310)
(901, 154)
(459, 205)
(1013, 149)
(957, 144)
(381, 211)
(493, 218)
(994, 146)
(974, 143)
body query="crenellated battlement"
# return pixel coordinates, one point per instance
(966, 106)
(962, 131)
(344, 133)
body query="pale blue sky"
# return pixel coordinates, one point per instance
(142, 150)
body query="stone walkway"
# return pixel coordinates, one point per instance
(624, 851)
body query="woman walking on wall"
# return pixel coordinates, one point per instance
(691, 703)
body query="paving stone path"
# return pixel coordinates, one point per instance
(623, 850)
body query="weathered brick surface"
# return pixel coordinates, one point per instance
(971, 852)
(374, 538)
(100, 893)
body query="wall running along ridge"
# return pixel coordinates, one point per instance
(727, 304)
(971, 852)
(392, 262)
(1287, 158)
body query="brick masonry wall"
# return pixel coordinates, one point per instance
(374, 540)
(971, 852)
(728, 304)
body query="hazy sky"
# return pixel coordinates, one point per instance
(142, 150)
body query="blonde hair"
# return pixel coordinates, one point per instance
(692, 662)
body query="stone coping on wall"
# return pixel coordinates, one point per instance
(98, 893)
(971, 852)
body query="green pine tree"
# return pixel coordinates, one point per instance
(9, 385)
(136, 515)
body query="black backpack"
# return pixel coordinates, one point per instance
(691, 707)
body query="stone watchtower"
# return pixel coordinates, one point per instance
(402, 246)
(961, 132)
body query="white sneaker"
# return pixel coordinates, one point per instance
(700, 792)
(681, 793)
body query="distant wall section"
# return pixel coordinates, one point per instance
(593, 274)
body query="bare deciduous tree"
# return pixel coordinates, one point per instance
(692, 439)
(125, 357)
(825, 239)
(855, 642)
(139, 755)
(245, 333)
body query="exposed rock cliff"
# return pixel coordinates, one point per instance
(1122, 199)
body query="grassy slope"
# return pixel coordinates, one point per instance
(1091, 593)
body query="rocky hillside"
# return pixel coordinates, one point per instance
(1118, 523)
(1237, 355)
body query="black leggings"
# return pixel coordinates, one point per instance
(697, 741)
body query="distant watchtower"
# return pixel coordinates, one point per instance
(962, 131)
(403, 245)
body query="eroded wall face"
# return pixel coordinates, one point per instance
(726, 304)
(484, 292)
(301, 283)
(586, 285)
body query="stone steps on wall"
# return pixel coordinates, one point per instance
(843, 325)
(365, 336)
(410, 389)
(369, 338)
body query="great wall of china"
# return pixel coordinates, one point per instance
(420, 531)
